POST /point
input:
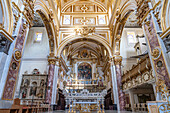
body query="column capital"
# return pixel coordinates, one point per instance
(117, 60)
(52, 59)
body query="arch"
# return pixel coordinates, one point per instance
(67, 5)
(7, 18)
(95, 37)
(43, 11)
(85, 46)
(165, 21)
(125, 11)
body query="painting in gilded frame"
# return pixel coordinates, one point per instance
(84, 71)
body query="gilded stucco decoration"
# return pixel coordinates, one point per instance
(163, 89)
(85, 31)
(16, 14)
(117, 60)
(156, 53)
(142, 10)
(17, 55)
(52, 59)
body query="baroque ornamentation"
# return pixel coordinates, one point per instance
(85, 31)
(17, 55)
(156, 13)
(29, 10)
(147, 22)
(162, 88)
(117, 60)
(156, 53)
(16, 14)
(52, 59)
(142, 10)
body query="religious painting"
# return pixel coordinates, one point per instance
(24, 92)
(84, 71)
(33, 89)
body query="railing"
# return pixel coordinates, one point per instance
(137, 107)
(142, 66)
(138, 74)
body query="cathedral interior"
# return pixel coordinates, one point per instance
(84, 56)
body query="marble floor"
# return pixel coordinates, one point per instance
(107, 111)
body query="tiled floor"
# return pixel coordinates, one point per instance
(107, 111)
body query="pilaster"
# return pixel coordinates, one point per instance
(117, 62)
(149, 19)
(114, 82)
(52, 79)
(26, 22)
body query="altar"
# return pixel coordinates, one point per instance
(85, 101)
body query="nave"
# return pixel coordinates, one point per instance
(85, 56)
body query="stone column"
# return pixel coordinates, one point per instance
(151, 26)
(131, 99)
(25, 20)
(52, 79)
(121, 95)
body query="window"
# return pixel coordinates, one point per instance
(38, 37)
(131, 37)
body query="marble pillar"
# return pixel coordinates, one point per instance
(121, 94)
(52, 79)
(12, 74)
(156, 54)
(152, 28)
